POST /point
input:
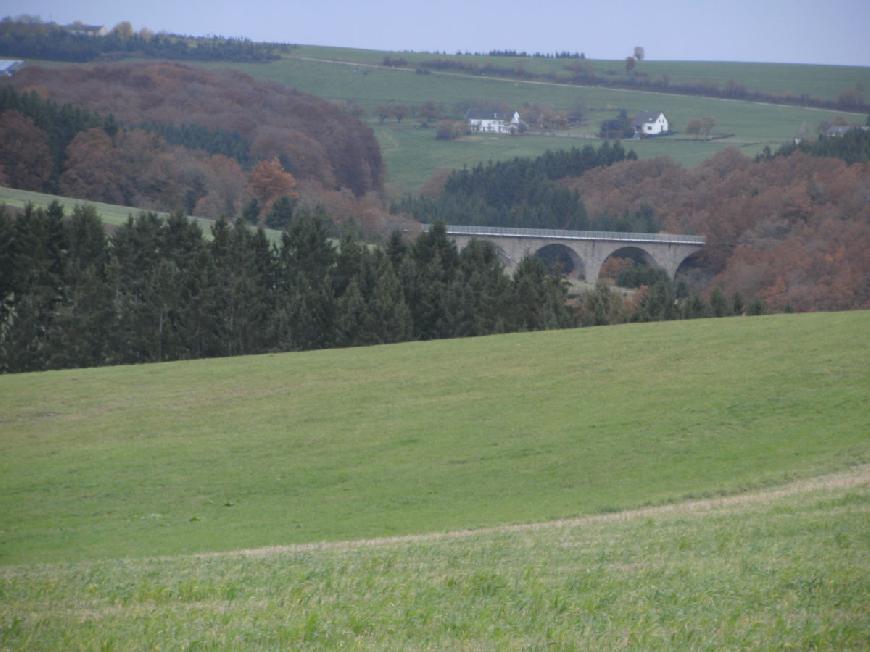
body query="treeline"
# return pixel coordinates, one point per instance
(159, 290)
(580, 72)
(154, 290)
(522, 53)
(523, 193)
(34, 39)
(851, 147)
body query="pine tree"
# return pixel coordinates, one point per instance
(352, 318)
(389, 311)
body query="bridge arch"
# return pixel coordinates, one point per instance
(637, 254)
(563, 259)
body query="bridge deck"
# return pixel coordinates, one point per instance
(559, 234)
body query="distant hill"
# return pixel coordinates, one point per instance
(358, 80)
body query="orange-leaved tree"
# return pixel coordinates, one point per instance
(269, 181)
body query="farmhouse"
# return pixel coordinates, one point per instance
(9, 67)
(650, 123)
(493, 123)
(79, 29)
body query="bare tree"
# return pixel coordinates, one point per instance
(639, 53)
(630, 63)
(707, 124)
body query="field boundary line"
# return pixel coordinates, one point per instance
(853, 477)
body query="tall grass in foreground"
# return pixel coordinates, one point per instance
(780, 573)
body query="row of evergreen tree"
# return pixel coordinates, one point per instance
(71, 296)
(523, 193)
(159, 290)
(214, 141)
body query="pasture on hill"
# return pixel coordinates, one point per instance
(412, 153)
(110, 214)
(221, 454)
(775, 570)
(822, 81)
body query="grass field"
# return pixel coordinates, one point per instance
(111, 214)
(768, 571)
(112, 479)
(824, 82)
(413, 154)
(230, 453)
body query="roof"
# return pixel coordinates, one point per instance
(642, 117)
(84, 28)
(474, 114)
(10, 65)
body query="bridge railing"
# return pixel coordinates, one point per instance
(561, 234)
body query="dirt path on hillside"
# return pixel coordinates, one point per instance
(855, 477)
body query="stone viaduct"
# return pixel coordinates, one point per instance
(587, 249)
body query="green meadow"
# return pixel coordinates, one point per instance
(824, 82)
(110, 214)
(412, 154)
(784, 572)
(221, 454)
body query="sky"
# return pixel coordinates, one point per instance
(787, 31)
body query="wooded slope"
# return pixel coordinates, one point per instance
(312, 138)
(793, 231)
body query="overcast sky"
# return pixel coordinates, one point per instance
(793, 31)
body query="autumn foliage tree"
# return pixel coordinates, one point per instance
(269, 181)
(24, 152)
(790, 231)
(312, 138)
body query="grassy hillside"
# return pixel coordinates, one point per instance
(413, 154)
(228, 453)
(109, 213)
(824, 82)
(762, 572)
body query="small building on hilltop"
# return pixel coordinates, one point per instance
(485, 122)
(9, 67)
(80, 29)
(650, 123)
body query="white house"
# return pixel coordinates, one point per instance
(9, 67)
(492, 123)
(650, 123)
(80, 29)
